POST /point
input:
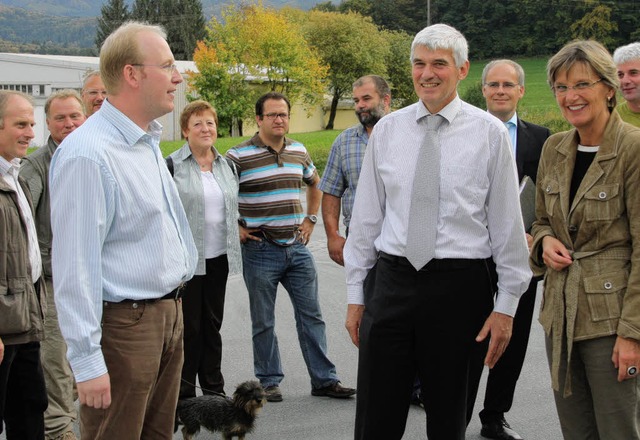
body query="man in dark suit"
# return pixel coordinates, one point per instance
(503, 87)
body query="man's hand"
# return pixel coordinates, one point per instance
(354, 317)
(1, 350)
(554, 254)
(499, 326)
(303, 234)
(529, 241)
(245, 234)
(626, 353)
(95, 393)
(335, 245)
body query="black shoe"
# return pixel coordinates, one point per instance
(335, 390)
(500, 430)
(273, 394)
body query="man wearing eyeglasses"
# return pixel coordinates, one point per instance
(627, 59)
(64, 114)
(503, 87)
(93, 92)
(122, 247)
(275, 231)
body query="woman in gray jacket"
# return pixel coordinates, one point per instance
(208, 187)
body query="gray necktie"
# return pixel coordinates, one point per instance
(425, 199)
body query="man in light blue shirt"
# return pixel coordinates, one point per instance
(122, 247)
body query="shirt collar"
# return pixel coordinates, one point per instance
(9, 167)
(513, 120)
(449, 111)
(131, 132)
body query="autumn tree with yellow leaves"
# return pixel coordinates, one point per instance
(250, 50)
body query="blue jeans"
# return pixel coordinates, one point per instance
(266, 265)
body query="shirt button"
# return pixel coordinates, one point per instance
(134, 305)
(608, 285)
(602, 195)
(573, 228)
(548, 188)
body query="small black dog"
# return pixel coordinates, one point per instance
(232, 417)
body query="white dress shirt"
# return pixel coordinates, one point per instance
(9, 170)
(479, 212)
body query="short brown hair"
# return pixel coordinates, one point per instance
(122, 48)
(196, 108)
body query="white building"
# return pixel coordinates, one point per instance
(41, 75)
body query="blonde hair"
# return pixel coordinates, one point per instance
(62, 94)
(590, 53)
(122, 48)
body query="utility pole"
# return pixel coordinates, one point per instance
(428, 12)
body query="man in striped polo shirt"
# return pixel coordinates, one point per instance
(274, 233)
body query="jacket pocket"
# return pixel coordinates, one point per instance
(604, 294)
(603, 202)
(14, 308)
(551, 195)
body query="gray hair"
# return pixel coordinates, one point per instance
(442, 36)
(90, 74)
(494, 63)
(624, 54)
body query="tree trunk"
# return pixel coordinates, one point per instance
(332, 113)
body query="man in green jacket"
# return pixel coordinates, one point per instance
(64, 113)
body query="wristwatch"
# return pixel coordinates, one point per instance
(313, 218)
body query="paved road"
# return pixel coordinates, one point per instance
(302, 416)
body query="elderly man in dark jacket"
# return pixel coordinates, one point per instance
(23, 397)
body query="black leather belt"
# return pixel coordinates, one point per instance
(174, 295)
(435, 264)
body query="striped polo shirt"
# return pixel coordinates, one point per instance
(270, 184)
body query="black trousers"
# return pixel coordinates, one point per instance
(203, 310)
(23, 395)
(501, 384)
(422, 322)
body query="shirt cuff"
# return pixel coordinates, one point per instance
(355, 294)
(89, 367)
(506, 304)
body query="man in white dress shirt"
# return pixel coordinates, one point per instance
(438, 320)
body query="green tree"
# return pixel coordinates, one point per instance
(182, 19)
(399, 68)
(249, 51)
(596, 25)
(112, 15)
(351, 45)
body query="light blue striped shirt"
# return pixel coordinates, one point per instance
(119, 229)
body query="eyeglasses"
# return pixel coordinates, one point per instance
(169, 68)
(274, 116)
(581, 86)
(505, 85)
(94, 93)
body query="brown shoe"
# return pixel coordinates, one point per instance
(335, 390)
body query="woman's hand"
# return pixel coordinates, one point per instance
(554, 254)
(626, 353)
